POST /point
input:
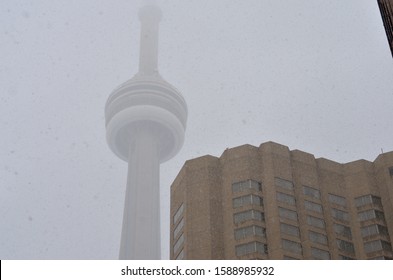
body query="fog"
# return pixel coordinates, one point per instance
(312, 75)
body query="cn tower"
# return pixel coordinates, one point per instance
(145, 125)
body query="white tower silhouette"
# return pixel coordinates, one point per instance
(145, 125)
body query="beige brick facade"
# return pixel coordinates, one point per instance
(273, 203)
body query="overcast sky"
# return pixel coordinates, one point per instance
(314, 75)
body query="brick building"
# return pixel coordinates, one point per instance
(269, 202)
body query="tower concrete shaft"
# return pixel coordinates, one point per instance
(145, 126)
(140, 237)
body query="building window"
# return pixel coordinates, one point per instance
(287, 214)
(374, 230)
(178, 214)
(311, 192)
(339, 200)
(179, 243)
(248, 215)
(319, 254)
(313, 206)
(377, 245)
(286, 198)
(317, 237)
(316, 222)
(343, 230)
(292, 246)
(342, 257)
(289, 258)
(245, 232)
(345, 246)
(253, 247)
(247, 200)
(368, 199)
(284, 184)
(381, 258)
(178, 228)
(340, 215)
(180, 256)
(370, 215)
(289, 229)
(246, 185)
(391, 171)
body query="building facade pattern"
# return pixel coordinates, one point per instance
(269, 202)
(386, 9)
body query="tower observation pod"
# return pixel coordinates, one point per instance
(145, 125)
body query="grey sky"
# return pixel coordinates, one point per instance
(313, 75)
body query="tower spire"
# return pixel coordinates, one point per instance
(150, 16)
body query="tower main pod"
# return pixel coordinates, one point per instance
(145, 126)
